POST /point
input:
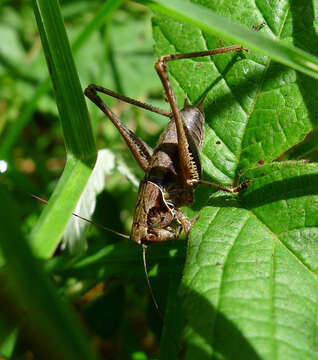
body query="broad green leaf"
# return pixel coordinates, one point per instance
(255, 109)
(251, 279)
(250, 288)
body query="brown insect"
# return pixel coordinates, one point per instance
(173, 168)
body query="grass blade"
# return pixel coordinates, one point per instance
(79, 141)
(210, 22)
(77, 131)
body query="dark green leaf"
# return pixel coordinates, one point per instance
(250, 286)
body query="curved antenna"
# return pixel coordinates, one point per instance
(125, 236)
(144, 248)
(173, 339)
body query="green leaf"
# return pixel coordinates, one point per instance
(79, 141)
(74, 234)
(77, 131)
(255, 109)
(250, 283)
(212, 23)
(250, 286)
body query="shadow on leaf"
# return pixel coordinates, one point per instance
(280, 190)
(218, 336)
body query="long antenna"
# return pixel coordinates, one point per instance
(144, 248)
(173, 339)
(125, 236)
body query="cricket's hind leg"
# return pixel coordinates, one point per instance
(229, 189)
(186, 157)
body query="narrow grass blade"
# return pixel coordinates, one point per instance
(73, 112)
(50, 227)
(79, 141)
(207, 20)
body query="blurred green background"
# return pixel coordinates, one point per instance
(119, 56)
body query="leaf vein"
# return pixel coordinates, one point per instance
(223, 272)
(285, 246)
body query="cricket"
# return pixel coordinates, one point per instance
(175, 141)
(173, 168)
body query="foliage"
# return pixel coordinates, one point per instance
(250, 278)
(252, 261)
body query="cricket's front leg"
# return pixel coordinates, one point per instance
(139, 149)
(185, 222)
